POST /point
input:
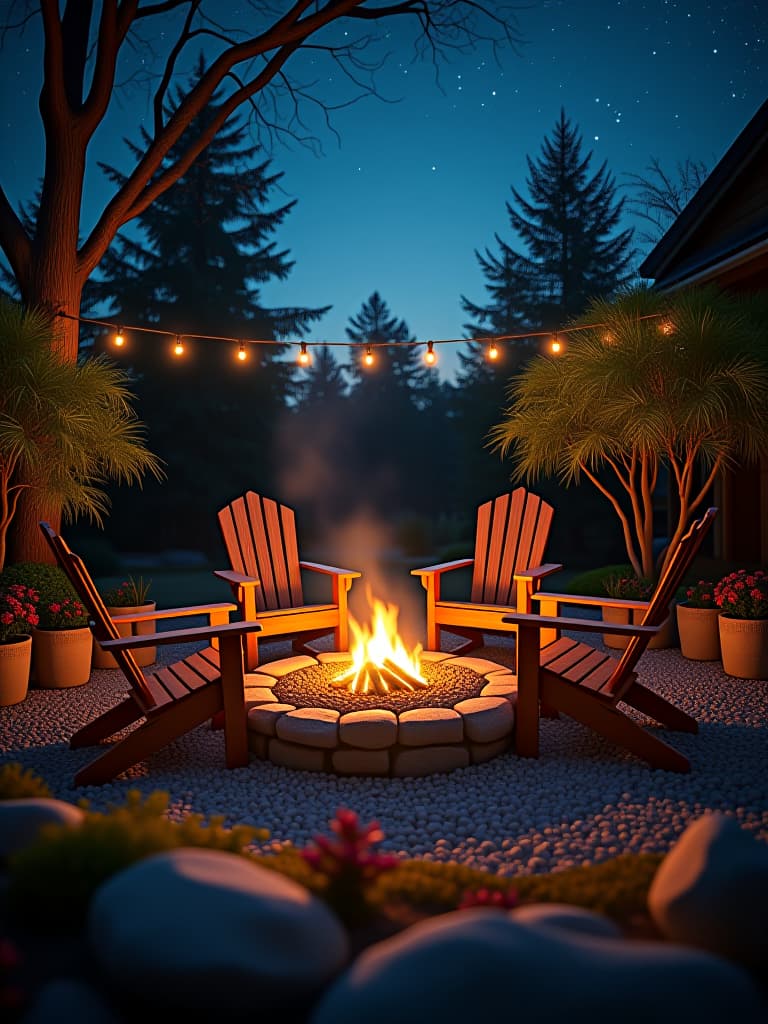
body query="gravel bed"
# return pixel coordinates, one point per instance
(580, 802)
(311, 688)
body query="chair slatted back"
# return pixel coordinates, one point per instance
(658, 608)
(512, 533)
(260, 538)
(102, 626)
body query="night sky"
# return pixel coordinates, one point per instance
(415, 186)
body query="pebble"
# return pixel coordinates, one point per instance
(583, 800)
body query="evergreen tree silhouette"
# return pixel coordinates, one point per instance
(567, 228)
(205, 250)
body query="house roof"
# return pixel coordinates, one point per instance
(666, 263)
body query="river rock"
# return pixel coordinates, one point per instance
(21, 820)
(481, 964)
(210, 930)
(711, 890)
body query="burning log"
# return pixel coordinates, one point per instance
(372, 678)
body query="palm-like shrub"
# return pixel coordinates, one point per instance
(674, 381)
(65, 429)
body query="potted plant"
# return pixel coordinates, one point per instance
(697, 623)
(18, 615)
(128, 598)
(61, 651)
(742, 600)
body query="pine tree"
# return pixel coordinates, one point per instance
(386, 405)
(398, 370)
(567, 228)
(324, 380)
(205, 249)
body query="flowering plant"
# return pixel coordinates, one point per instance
(68, 613)
(502, 899)
(631, 588)
(349, 863)
(18, 610)
(701, 595)
(743, 595)
(129, 594)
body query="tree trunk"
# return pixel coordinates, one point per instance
(54, 287)
(25, 538)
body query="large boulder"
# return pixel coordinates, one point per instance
(69, 1001)
(21, 821)
(711, 891)
(213, 931)
(481, 964)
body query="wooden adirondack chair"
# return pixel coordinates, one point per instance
(578, 680)
(171, 700)
(510, 537)
(260, 538)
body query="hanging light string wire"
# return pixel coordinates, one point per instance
(122, 327)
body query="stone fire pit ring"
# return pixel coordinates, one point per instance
(413, 742)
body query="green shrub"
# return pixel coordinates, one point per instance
(49, 581)
(52, 880)
(592, 583)
(19, 783)
(617, 888)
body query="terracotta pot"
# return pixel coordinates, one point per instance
(699, 632)
(62, 657)
(15, 664)
(744, 646)
(666, 636)
(143, 655)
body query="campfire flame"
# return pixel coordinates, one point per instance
(380, 660)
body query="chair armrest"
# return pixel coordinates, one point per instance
(579, 625)
(174, 613)
(329, 570)
(237, 578)
(590, 602)
(539, 571)
(176, 636)
(436, 570)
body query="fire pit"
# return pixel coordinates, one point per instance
(380, 709)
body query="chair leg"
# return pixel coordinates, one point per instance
(608, 721)
(656, 707)
(112, 721)
(157, 732)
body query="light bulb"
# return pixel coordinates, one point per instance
(119, 338)
(178, 348)
(556, 346)
(304, 357)
(493, 352)
(242, 355)
(430, 356)
(369, 359)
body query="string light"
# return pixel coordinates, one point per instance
(492, 350)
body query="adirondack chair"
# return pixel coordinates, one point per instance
(260, 538)
(510, 537)
(578, 680)
(171, 700)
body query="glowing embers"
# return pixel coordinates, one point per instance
(381, 662)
